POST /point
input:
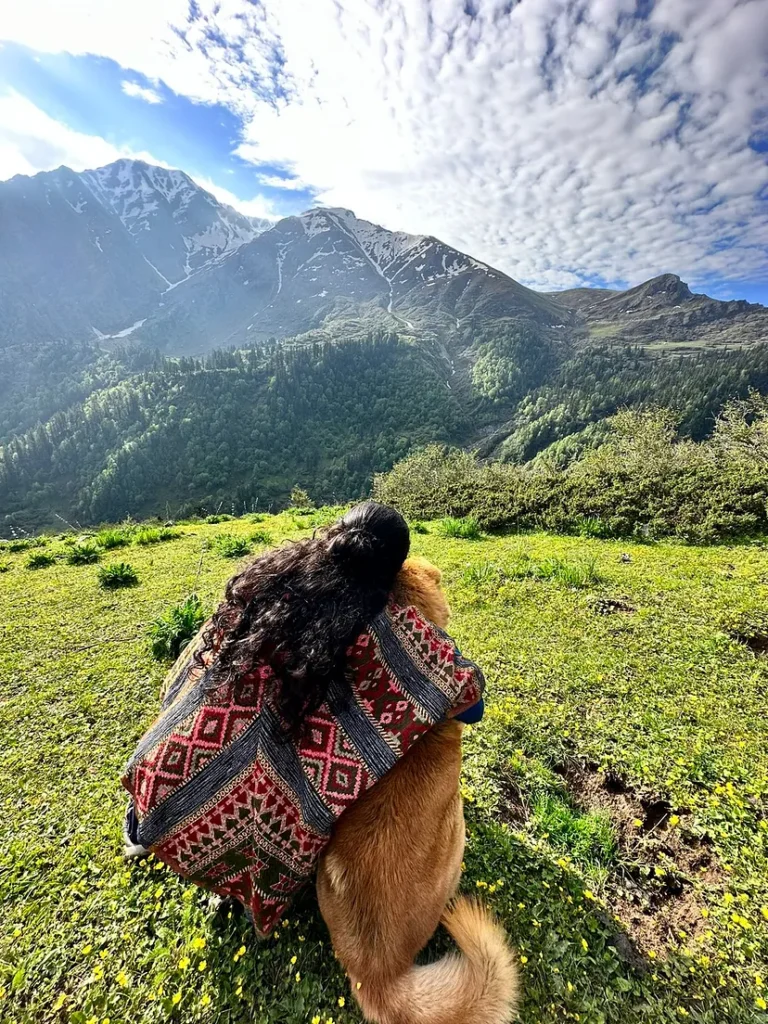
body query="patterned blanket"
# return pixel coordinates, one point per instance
(225, 800)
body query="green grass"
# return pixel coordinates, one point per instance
(171, 632)
(117, 575)
(467, 528)
(113, 538)
(228, 545)
(84, 553)
(663, 697)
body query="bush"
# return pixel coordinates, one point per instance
(223, 517)
(40, 561)
(418, 527)
(641, 481)
(230, 546)
(83, 553)
(118, 574)
(170, 633)
(19, 545)
(467, 528)
(260, 537)
(153, 535)
(5, 566)
(110, 539)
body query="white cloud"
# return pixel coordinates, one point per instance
(31, 141)
(555, 138)
(275, 181)
(141, 92)
(256, 207)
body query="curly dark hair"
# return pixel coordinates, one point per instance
(299, 607)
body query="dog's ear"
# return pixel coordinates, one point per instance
(418, 583)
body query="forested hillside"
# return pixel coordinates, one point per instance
(239, 428)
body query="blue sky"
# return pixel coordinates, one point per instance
(567, 142)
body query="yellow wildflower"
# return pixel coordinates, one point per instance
(122, 979)
(761, 1004)
(206, 1000)
(759, 980)
(184, 963)
(87, 949)
(588, 894)
(764, 912)
(104, 954)
(202, 965)
(298, 977)
(652, 954)
(176, 998)
(704, 912)
(637, 823)
(198, 942)
(16, 932)
(316, 1019)
(674, 820)
(523, 959)
(62, 998)
(98, 972)
(570, 987)
(584, 945)
(293, 960)
(301, 938)
(342, 1001)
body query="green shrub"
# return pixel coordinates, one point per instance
(117, 574)
(19, 545)
(40, 561)
(260, 537)
(466, 528)
(418, 527)
(84, 553)
(110, 539)
(5, 566)
(230, 546)
(222, 517)
(170, 633)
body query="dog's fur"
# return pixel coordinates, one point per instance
(391, 869)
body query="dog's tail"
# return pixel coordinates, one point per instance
(479, 985)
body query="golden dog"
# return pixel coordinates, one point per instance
(391, 869)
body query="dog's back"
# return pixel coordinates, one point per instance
(391, 869)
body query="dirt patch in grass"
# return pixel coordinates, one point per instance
(654, 890)
(611, 606)
(656, 887)
(756, 642)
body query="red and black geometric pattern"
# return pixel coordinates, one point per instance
(233, 818)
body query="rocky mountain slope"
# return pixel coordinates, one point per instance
(332, 272)
(87, 255)
(664, 310)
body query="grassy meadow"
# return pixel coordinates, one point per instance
(617, 789)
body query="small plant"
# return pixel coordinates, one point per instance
(110, 539)
(467, 528)
(118, 574)
(260, 537)
(147, 535)
(40, 560)
(170, 633)
(220, 518)
(84, 553)
(168, 533)
(229, 546)
(482, 574)
(418, 527)
(19, 545)
(570, 574)
(5, 566)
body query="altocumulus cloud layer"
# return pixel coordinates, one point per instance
(556, 139)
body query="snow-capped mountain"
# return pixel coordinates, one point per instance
(86, 254)
(330, 270)
(135, 250)
(178, 226)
